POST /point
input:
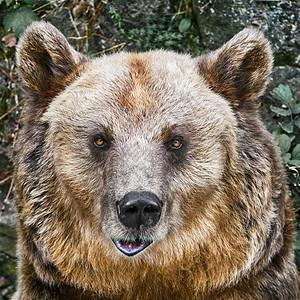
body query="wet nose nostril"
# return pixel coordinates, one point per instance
(131, 210)
(150, 210)
(138, 209)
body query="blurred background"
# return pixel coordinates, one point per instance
(187, 26)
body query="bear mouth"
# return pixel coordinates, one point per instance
(131, 247)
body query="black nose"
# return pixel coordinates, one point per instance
(138, 209)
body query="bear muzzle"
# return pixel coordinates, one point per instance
(137, 211)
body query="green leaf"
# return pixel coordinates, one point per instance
(294, 162)
(284, 142)
(297, 122)
(288, 127)
(8, 2)
(286, 158)
(277, 133)
(112, 10)
(297, 259)
(19, 19)
(7, 240)
(296, 152)
(30, 2)
(296, 109)
(297, 240)
(185, 24)
(280, 111)
(283, 94)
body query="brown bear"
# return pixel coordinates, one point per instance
(149, 176)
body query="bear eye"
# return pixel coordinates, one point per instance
(100, 142)
(176, 144)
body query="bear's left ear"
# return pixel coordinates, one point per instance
(240, 69)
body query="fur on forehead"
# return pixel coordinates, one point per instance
(134, 87)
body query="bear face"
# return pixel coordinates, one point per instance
(148, 167)
(138, 153)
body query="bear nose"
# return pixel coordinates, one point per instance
(138, 209)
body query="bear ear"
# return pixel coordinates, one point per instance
(240, 69)
(46, 62)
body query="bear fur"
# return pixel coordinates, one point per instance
(182, 131)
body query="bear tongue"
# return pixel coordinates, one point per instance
(131, 248)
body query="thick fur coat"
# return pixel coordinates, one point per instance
(149, 176)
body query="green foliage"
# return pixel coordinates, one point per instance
(287, 137)
(7, 2)
(289, 127)
(290, 108)
(297, 249)
(185, 25)
(7, 260)
(19, 19)
(117, 17)
(158, 32)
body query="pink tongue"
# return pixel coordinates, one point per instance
(132, 247)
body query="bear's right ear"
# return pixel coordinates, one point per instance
(46, 62)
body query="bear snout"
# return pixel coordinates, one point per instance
(139, 209)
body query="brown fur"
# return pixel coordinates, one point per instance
(226, 226)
